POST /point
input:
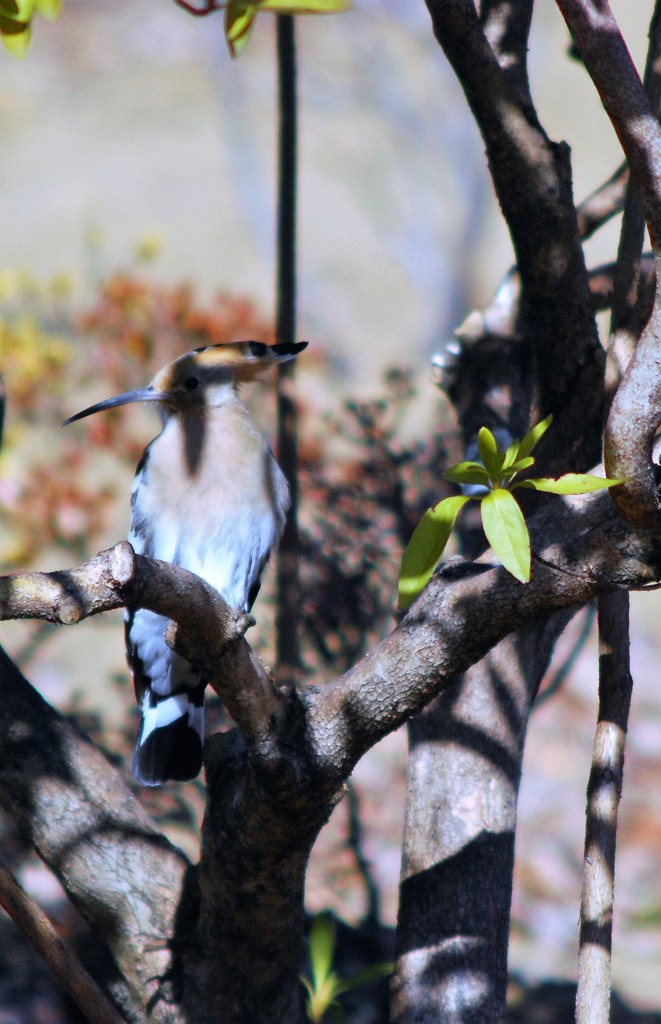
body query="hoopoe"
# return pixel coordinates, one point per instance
(208, 495)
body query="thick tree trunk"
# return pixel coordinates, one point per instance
(458, 858)
(257, 835)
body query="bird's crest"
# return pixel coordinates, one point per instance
(183, 383)
(247, 360)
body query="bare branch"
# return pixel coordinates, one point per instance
(263, 813)
(615, 683)
(506, 25)
(584, 548)
(60, 960)
(117, 868)
(532, 178)
(604, 790)
(609, 64)
(602, 204)
(634, 415)
(602, 283)
(287, 556)
(207, 630)
(629, 314)
(208, 7)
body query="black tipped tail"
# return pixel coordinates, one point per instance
(171, 738)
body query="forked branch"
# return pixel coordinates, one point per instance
(634, 415)
(207, 629)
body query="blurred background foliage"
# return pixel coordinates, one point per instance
(138, 158)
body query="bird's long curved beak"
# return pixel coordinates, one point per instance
(148, 394)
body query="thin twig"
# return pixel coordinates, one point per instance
(602, 204)
(65, 967)
(287, 571)
(355, 844)
(628, 313)
(571, 659)
(200, 12)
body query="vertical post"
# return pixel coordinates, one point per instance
(287, 572)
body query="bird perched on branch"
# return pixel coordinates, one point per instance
(208, 495)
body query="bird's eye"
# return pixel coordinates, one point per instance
(191, 383)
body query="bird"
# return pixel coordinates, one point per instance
(208, 495)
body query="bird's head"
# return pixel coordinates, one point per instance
(203, 379)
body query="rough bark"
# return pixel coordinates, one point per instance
(634, 414)
(593, 995)
(542, 315)
(465, 759)
(532, 178)
(271, 789)
(224, 941)
(114, 864)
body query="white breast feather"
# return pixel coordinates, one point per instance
(221, 524)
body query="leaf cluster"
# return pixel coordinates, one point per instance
(491, 482)
(240, 15)
(324, 986)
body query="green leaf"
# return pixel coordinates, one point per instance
(507, 475)
(305, 6)
(322, 945)
(16, 43)
(239, 17)
(10, 26)
(570, 483)
(323, 987)
(48, 9)
(488, 449)
(426, 547)
(19, 9)
(507, 532)
(533, 437)
(467, 473)
(521, 464)
(511, 455)
(365, 977)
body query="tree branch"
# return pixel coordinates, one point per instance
(267, 801)
(207, 631)
(532, 178)
(634, 414)
(615, 683)
(585, 548)
(602, 204)
(604, 790)
(582, 549)
(208, 7)
(75, 808)
(61, 962)
(612, 70)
